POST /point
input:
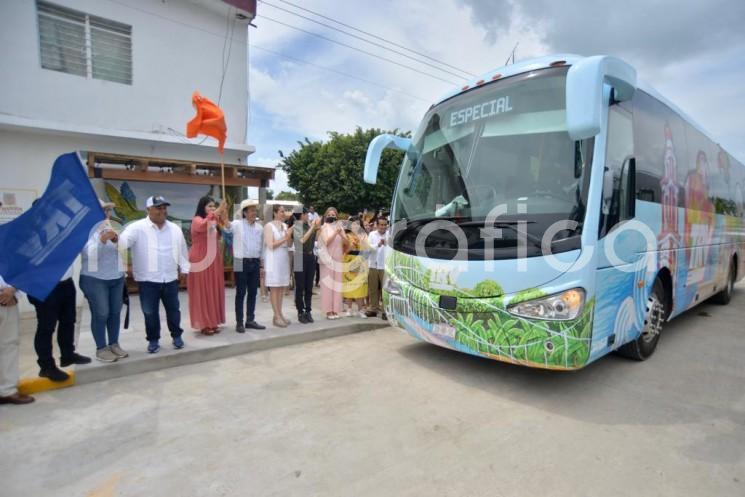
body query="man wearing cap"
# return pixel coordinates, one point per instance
(304, 240)
(159, 252)
(248, 249)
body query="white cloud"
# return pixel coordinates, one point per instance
(299, 101)
(310, 102)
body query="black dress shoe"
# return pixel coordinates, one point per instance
(239, 328)
(308, 317)
(17, 399)
(301, 317)
(384, 317)
(254, 325)
(54, 374)
(74, 359)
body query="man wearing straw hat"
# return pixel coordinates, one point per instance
(248, 249)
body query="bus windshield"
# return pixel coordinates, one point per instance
(504, 145)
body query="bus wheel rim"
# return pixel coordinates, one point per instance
(654, 319)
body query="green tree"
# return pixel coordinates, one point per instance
(287, 196)
(487, 288)
(330, 173)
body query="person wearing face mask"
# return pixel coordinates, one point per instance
(333, 243)
(354, 287)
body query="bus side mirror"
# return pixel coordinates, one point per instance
(584, 92)
(375, 150)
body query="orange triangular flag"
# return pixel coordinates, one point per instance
(210, 120)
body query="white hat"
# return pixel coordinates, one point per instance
(248, 203)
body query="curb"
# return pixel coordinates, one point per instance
(29, 386)
(192, 356)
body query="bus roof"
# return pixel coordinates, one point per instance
(561, 60)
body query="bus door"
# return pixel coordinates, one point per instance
(620, 299)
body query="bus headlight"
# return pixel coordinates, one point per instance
(391, 287)
(562, 306)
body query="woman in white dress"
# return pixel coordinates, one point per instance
(277, 239)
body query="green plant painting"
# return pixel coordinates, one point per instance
(483, 326)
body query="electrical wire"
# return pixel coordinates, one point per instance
(370, 42)
(331, 40)
(375, 36)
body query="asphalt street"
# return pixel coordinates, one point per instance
(379, 414)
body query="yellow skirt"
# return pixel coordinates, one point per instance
(354, 279)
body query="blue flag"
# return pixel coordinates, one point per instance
(38, 247)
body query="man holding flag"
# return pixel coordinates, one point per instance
(38, 249)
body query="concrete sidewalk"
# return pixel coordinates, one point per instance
(199, 348)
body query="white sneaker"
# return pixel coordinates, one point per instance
(105, 355)
(118, 351)
(348, 313)
(362, 315)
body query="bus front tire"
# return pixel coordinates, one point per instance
(644, 346)
(724, 297)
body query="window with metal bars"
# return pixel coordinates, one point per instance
(74, 42)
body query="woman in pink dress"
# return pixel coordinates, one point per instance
(330, 258)
(206, 279)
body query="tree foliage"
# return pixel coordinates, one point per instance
(330, 173)
(284, 195)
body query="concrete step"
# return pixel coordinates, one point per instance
(199, 348)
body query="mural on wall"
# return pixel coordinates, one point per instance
(129, 205)
(481, 325)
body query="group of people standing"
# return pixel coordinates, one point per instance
(350, 263)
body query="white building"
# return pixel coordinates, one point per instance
(116, 77)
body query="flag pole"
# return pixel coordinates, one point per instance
(222, 175)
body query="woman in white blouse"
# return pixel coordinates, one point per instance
(277, 238)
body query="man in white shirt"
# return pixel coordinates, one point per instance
(158, 253)
(248, 249)
(10, 329)
(312, 215)
(57, 311)
(376, 263)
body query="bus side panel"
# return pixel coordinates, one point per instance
(619, 309)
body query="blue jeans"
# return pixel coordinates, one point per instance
(246, 282)
(151, 294)
(105, 301)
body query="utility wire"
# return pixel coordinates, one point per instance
(402, 54)
(373, 36)
(391, 61)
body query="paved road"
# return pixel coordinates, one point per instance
(378, 414)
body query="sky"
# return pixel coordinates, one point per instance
(691, 51)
